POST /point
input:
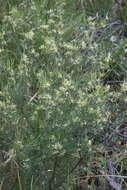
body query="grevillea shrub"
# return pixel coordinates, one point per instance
(56, 102)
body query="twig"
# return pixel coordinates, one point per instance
(117, 22)
(111, 179)
(8, 159)
(33, 97)
(76, 165)
(103, 175)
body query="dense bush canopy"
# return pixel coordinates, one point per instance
(63, 95)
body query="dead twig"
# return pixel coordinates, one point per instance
(111, 179)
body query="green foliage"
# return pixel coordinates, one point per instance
(54, 96)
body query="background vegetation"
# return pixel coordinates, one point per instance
(63, 95)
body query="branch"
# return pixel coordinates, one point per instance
(111, 179)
